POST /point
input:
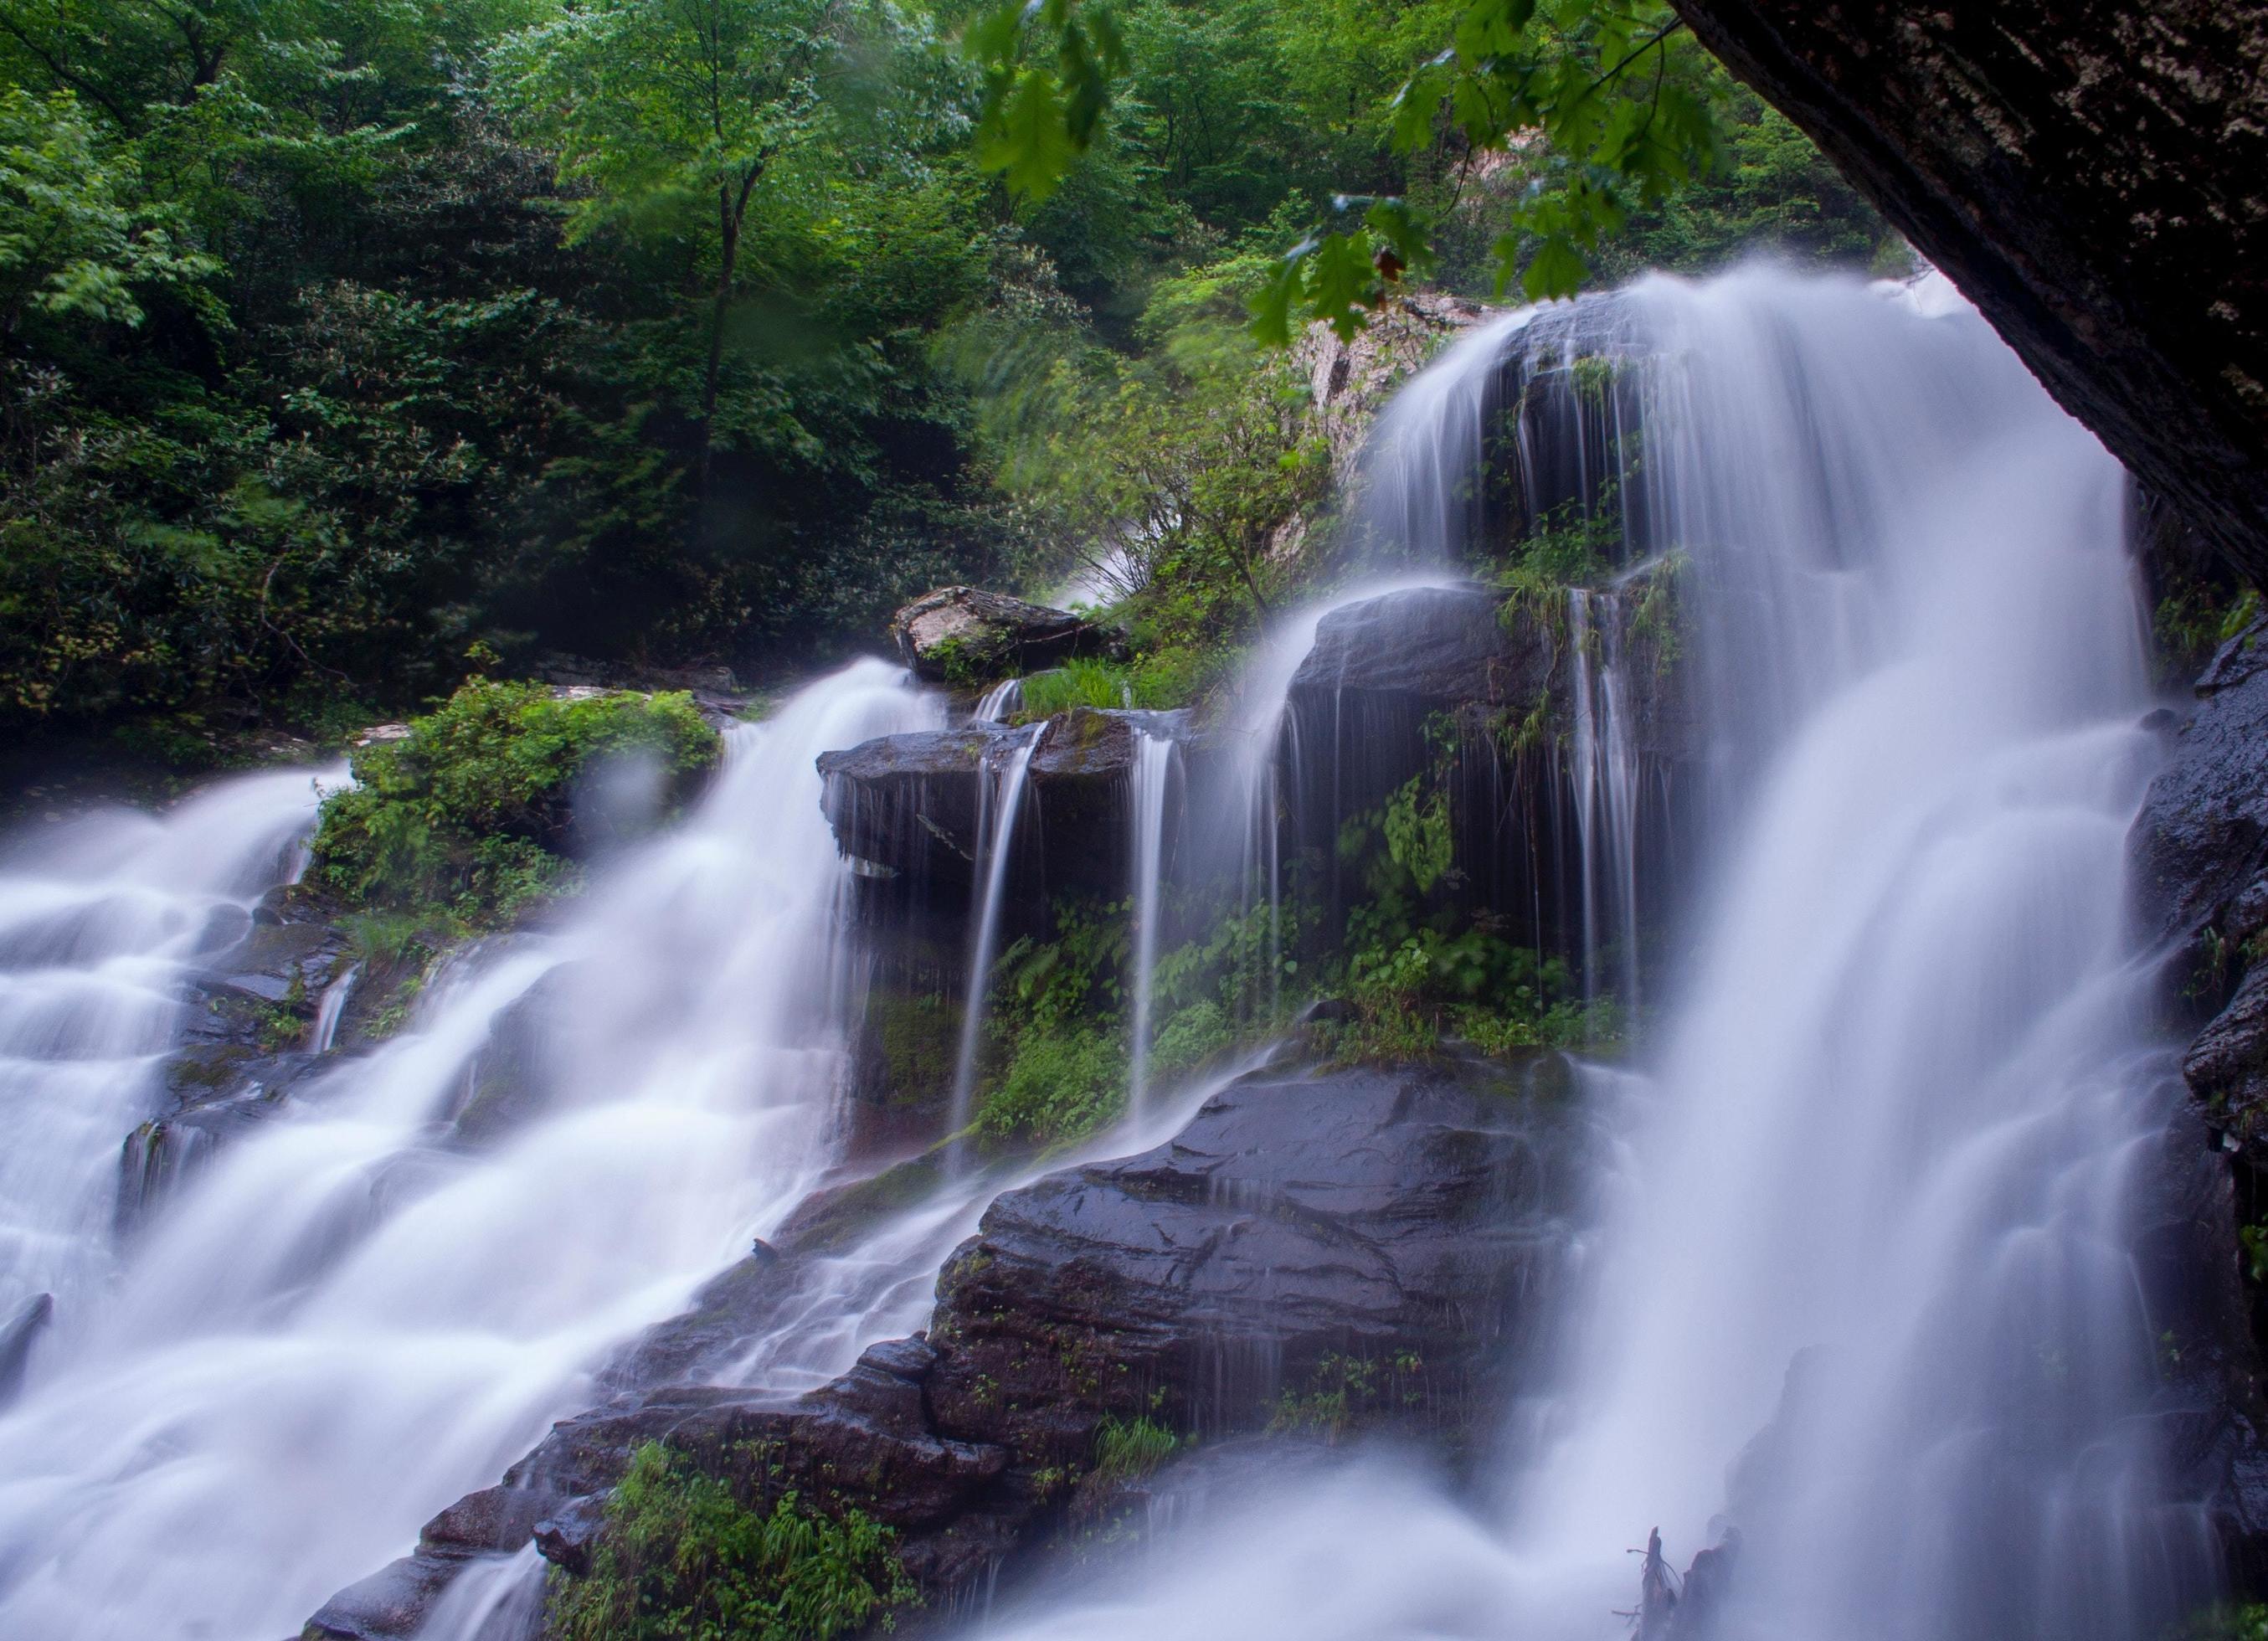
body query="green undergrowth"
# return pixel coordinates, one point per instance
(465, 824)
(1130, 1450)
(1418, 964)
(2228, 1621)
(1341, 1392)
(685, 1556)
(1061, 1014)
(1157, 681)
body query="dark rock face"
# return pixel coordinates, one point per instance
(244, 1044)
(909, 803)
(1364, 1215)
(1452, 650)
(2093, 176)
(1387, 676)
(2199, 849)
(959, 634)
(1357, 1245)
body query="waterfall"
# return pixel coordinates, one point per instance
(1866, 1300)
(381, 1296)
(102, 920)
(1154, 757)
(997, 702)
(331, 1009)
(1605, 775)
(1000, 803)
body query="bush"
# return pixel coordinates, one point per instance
(467, 817)
(683, 1558)
(1063, 1082)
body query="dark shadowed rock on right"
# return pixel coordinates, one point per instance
(2093, 175)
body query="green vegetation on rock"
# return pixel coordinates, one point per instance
(685, 1556)
(465, 820)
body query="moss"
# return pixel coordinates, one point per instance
(464, 822)
(686, 1554)
(916, 1039)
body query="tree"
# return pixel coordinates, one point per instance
(653, 105)
(1618, 93)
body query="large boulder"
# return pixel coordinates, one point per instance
(965, 635)
(1314, 1250)
(2093, 175)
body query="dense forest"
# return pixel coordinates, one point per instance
(353, 348)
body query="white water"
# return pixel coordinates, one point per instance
(1155, 756)
(101, 920)
(1904, 1101)
(1605, 773)
(1000, 805)
(350, 1320)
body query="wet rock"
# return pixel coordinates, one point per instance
(2200, 845)
(1463, 651)
(960, 634)
(1409, 1220)
(1312, 1251)
(2200, 873)
(18, 1333)
(390, 1605)
(2095, 177)
(906, 807)
(1485, 690)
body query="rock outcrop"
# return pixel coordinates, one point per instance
(962, 635)
(1500, 698)
(908, 806)
(2199, 849)
(2093, 176)
(1350, 1247)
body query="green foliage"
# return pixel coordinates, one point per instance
(467, 817)
(1418, 966)
(1056, 1010)
(1342, 1390)
(1128, 1450)
(2226, 1622)
(73, 240)
(685, 1556)
(1160, 680)
(1063, 1082)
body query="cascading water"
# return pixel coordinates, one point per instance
(1001, 805)
(377, 1301)
(100, 926)
(1154, 757)
(1866, 1293)
(1606, 776)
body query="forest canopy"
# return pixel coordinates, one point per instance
(353, 348)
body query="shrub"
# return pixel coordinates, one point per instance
(683, 1558)
(467, 817)
(1064, 1081)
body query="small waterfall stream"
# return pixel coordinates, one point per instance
(1154, 758)
(1001, 806)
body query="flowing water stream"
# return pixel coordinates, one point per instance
(361, 1312)
(1886, 1135)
